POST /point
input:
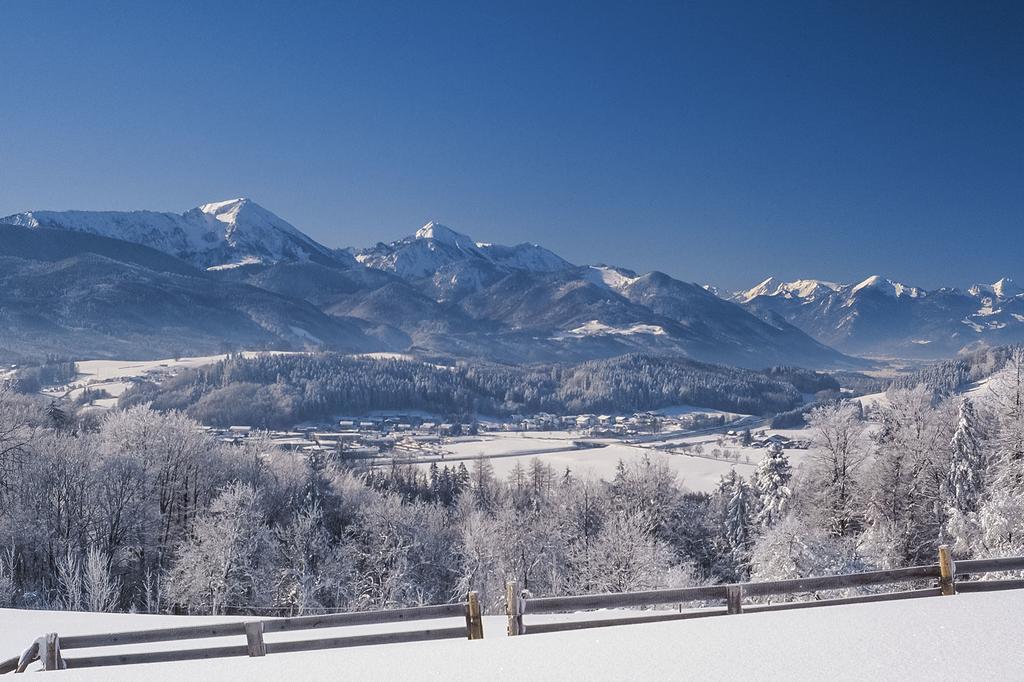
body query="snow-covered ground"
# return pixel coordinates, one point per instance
(699, 472)
(115, 376)
(968, 637)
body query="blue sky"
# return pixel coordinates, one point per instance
(718, 142)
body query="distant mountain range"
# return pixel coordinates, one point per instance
(881, 317)
(231, 273)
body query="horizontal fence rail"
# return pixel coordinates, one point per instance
(942, 575)
(253, 631)
(708, 601)
(293, 624)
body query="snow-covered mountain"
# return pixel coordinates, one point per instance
(437, 292)
(221, 234)
(1002, 290)
(77, 294)
(454, 264)
(886, 317)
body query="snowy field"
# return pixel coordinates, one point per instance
(699, 473)
(116, 376)
(966, 637)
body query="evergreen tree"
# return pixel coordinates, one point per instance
(771, 484)
(735, 504)
(967, 462)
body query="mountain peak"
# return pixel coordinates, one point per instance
(801, 288)
(218, 207)
(445, 235)
(887, 286)
(764, 288)
(244, 212)
(1005, 288)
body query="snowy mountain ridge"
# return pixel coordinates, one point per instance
(883, 316)
(215, 234)
(435, 247)
(1003, 289)
(436, 291)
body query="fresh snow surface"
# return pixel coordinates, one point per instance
(597, 328)
(964, 637)
(700, 472)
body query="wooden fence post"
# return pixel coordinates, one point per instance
(50, 652)
(947, 572)
(474, 618)
(254, 638)
(30, 654)
(734, 599)
(514, 607)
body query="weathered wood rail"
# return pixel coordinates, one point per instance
(253, 632)
(721, 600)
(709, 601)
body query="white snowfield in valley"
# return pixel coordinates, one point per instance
(965, 637)
(697, 470)
(116, 376)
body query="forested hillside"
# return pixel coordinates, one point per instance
(281, 390)
(949, 376)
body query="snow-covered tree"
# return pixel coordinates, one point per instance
(311, 571)
(906, 478)
(225, 560)
(69, 581)
(793, 548)
(838, 435)
(735, 504)
(967, 461)
(101, 590)
(1007, 391)
(625, 557)
(771, 485)
(8, 588)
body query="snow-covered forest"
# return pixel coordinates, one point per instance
(144, 511)
(281, 390)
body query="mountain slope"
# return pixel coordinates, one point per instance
(453, 264)
(82, 295)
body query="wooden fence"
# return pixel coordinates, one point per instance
(710, 600)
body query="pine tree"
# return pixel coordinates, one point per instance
(967, 462)
(735, 496)
(58, 417)
(771, 484)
